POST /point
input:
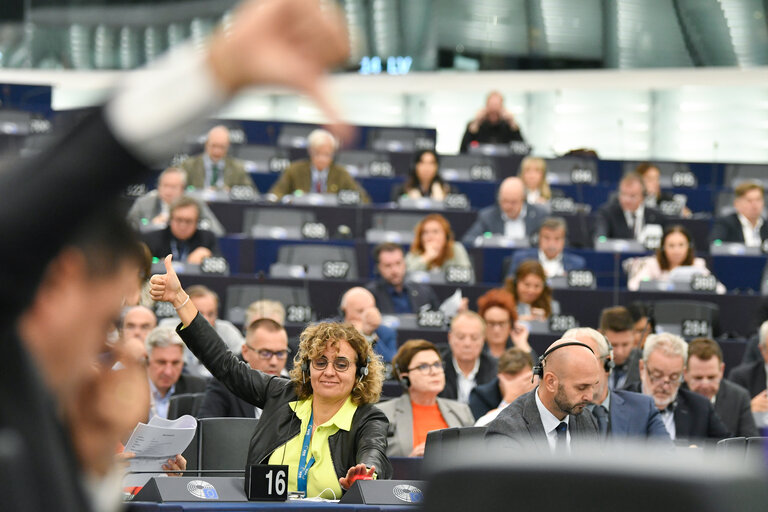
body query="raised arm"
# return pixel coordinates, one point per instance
(203, 340)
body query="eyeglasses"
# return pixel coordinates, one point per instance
(426, 368)
(503, 323)
(340, 364)
(656, 377)
(269, 354)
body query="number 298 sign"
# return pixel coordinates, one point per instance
(265, 482)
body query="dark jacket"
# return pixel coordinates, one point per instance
(489, 220)
(366, 442)
(159, 242)
(484, 398)
(695, 418)
(490, 133)
(750, 376)
(189, 384)
(611, 223)
(219, 402)
(734, 407)
(485, 373)
(419, 295)
(728, 229)
(44, 200)
(521, 423)
(570, 261)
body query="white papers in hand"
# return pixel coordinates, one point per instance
(159, 440)
(451, 305)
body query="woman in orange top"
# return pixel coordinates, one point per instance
(419, 368)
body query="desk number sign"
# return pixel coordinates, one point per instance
(265, 482)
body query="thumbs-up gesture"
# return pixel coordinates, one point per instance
(167, 287)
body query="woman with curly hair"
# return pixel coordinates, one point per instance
(321, 422)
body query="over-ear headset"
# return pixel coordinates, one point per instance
(538, 370)
(608, 364)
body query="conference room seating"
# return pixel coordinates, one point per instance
(224, 444)
(185, 403)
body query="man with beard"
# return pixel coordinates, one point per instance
(687, 416)
(549, 417)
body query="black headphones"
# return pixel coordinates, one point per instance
(608, 364)
(538, 370)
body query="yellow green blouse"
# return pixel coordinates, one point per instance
(322, 475)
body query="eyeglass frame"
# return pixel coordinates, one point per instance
(425, 368)
(666, 379)
(272, 353)
(324, 366)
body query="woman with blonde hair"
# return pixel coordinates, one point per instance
(533, 172)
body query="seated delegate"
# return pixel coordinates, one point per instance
(419, 368)
(424, 180)
(675, 255)
(434, 247)
(325, 407)
(531, 292)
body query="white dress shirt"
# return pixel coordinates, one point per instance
(635, 220)
(465, 383)
(751, 234)
(515, 228)
(551, 423)
(552, 267)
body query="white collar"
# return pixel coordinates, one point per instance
(472, 374)
(548, 419)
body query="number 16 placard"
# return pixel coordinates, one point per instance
(265, 482)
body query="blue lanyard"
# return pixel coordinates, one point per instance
(304, 464)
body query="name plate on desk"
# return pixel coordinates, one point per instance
(618, 245)
(581, 279)
(265, 482)
(490, 240)
(733, 249)
(190, 488)
(561, 323)
(385, 492)
(695, 328)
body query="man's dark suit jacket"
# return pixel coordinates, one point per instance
(189, 384)
(486, 373)
(695, 418)
(733, 406)
(490, 133)
(520, 421)
(728, 229)
(69, 185)
(219, 402)
(570, 261)
(750, 376)
(418, 293)
(611, 223)
(484, 398)
(489, 220)
(159, 242)
(632, 369)
(635, 415)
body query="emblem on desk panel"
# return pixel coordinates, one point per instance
(202, 489)
(408, 493)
